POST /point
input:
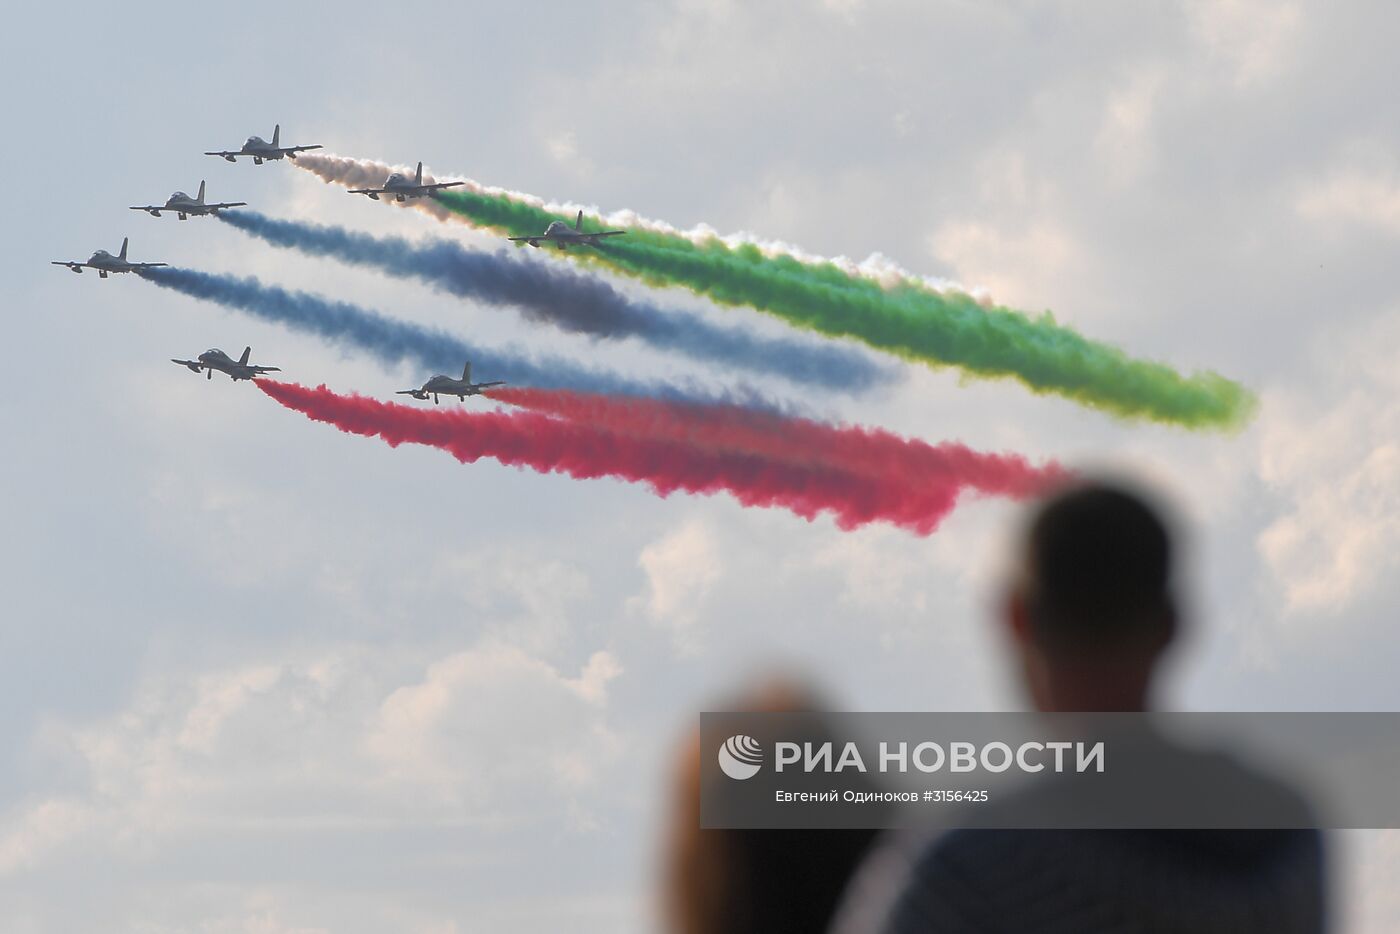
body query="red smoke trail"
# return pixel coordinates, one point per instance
(914, 464)
(666, 464)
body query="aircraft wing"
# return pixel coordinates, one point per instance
(293, 150)
(535, 237)
(190, 364)
(436, 185)
(225, 204)
(73, 266)
(226, 153)
(265, 369)
(149, 207)
(145, 265)
(499, 382)
(415, 393)
(368, 191)
(604, 233)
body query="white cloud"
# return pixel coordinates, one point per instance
(592, 682)
(1015, 242)
(846, 9)
(563, 147)
(27, 835)
(485, 735)
(1341, 534)
(495, 715)
(528, 599)
(225, 521)
(1334, 460)
(879, 569)
(1124, 142)
(1367, 195)
(1253, 38)
(258, 922)
(1014, 262)
(681, 568)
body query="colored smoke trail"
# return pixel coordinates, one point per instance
(552, 445)
(573, 301)
(391, 342)
(871, 452)
(908, 318)
(366, 173)
(919, 324)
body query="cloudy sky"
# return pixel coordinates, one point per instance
(260, 676)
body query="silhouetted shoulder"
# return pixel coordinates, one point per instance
(1097, 882)
(1147, 881)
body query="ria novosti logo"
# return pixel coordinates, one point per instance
(740, 757)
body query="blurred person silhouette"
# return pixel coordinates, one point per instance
(1089, 614)
(752, 881)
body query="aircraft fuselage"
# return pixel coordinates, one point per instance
(440, 385)
(448, 386)
(260, 150)
(401, 187)
(105, 263)
(216, 360)
(562, 235)
(183, 206)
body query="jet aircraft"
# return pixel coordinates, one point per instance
(402, 187)
(261, 150)
(216, 359)
(447, 386)
(105, 262)
(185, 206)
(562, 234)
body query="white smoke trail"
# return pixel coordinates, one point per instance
(365, 173)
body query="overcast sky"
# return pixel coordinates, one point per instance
(261, 676)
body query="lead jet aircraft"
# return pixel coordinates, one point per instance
(105, 262)
(402, 187)
(261, 150)
(447, 386)
(562, 234)
(185, 206)
(216, 359)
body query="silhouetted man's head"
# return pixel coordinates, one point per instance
(1091, 609)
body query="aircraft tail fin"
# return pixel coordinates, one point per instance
(276, 134)
(418, 176)
(122, 254)
(467, 372)
(578, 221)
(243, 360)
(200, 196)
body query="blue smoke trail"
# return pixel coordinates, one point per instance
(573, 301)
(392, 342)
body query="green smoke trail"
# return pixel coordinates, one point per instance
(909, 320)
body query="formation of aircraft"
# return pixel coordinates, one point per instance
(261, 150)
(105, 262)
(398, 186)
(561, 234)
(216, 359)
(184, 206)
(447, 386)
(402, 187)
